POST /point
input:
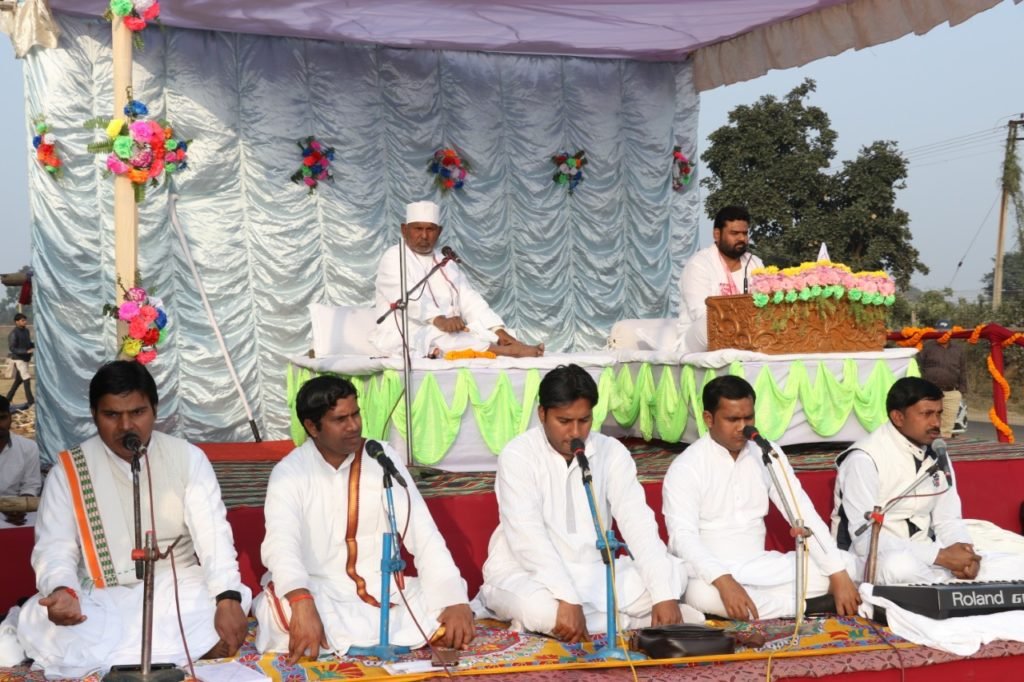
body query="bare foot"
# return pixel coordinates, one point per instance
(519, 350)
(219, 650)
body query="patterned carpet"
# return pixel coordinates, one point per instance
(245, 482)
(839, 644)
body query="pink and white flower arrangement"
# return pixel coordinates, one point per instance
(821, 280)
(146, 321)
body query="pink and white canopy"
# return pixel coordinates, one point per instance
(730, 40)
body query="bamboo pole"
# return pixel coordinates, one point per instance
(126, 215)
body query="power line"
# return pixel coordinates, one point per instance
(959, 139)
(946, 149)
(940, 161)
(973, 239)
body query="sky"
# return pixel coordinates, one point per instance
(944, 98)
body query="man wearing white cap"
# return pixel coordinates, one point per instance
(447, 314)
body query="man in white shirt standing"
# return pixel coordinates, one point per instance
(715, 499)
(721, 269)
(88, 612)
(326, 518)
(924, 538)
(543, 570)
(447, 313)
(19, 466)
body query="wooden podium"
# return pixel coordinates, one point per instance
(800, 327)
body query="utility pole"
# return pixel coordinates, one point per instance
(997, 275)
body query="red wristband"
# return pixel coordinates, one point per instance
(292, 600)
(71, 592)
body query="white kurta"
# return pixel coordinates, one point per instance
(545, 546)
(714, 510)
(904, 557)
(446, 293)
(705, 275)
(307, 512)
(188, 500)
(19, 467)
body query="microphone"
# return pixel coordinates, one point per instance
(449, 253)
(579, 448)
(746, 267)
(750, 432)
(376, 450)
(133, 443)
(942, 459)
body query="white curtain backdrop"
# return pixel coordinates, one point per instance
(559, 269)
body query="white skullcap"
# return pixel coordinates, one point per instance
(423, 212)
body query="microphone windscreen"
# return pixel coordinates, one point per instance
(939, 448)
(449, 252)
(577, 446)
(374, 449)
(131, 441)
(750, 432)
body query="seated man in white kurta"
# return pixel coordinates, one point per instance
(447, 313)
(718, 270)
(543, 570)
(88, 614)
(924, 538)
(715, 499)
(20, 474)
(326, 517)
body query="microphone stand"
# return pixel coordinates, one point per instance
(145, 568)
(390, 562)
(402, 304)
(796, 523)
(876, 518)
(608, 545)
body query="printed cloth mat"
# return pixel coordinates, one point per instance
(245, 482)
(823, 646)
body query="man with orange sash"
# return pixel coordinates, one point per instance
(88, 613)
(326, 517)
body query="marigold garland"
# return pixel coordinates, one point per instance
(1012, 339)
(1001, 426)
(944, 339)
(976, 334)
(469, 354)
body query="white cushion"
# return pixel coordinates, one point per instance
(651, 334)
(342, 330)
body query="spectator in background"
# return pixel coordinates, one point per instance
(20, 346)
(945, 365)
(19, 465)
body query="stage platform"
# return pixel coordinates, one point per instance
(464, 507)
(465, 411)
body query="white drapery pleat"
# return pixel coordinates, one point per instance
(559, 269)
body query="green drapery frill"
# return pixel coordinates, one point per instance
(631, 395)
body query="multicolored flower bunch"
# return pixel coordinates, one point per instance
(45, 144)
(136, 15)
(146, 321)
(316, 163)
(569, 168)
(821, 280)
(449, 169)
(682, 169)
(140, 149)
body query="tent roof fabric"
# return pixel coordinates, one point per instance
(730, 40)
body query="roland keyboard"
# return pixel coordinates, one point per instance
(949, 600)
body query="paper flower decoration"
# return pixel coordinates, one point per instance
(139, 148)
(316, 163)
(146, 320)
(821, 280)
(45, 144)
(682, 169)
(569, 168)
(449, 169)
(136, 15)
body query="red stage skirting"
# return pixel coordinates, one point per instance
(989, 490)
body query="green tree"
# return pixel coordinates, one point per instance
(1013, 277)
(774, 157)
